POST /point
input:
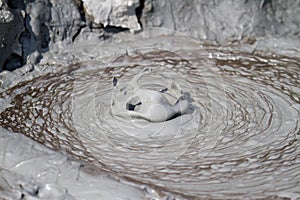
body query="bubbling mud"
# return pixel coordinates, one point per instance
(134, 101)
(236, 134)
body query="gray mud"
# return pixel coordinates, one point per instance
(69, 74)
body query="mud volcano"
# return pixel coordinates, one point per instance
(238, 136)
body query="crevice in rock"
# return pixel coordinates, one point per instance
(115, 29)
(265, 3)
(81, 9)
(13, 62)
(139, 12)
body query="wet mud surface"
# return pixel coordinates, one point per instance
(241, 140)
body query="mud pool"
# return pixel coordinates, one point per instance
(241, 139)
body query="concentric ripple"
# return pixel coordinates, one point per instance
(241, 140)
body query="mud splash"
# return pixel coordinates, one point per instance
(242, 140)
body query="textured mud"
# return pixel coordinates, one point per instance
(243, 142)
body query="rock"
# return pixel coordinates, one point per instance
(35, 38)
(66, 20)
(118, 13)
(224, 20)
(50, 25)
